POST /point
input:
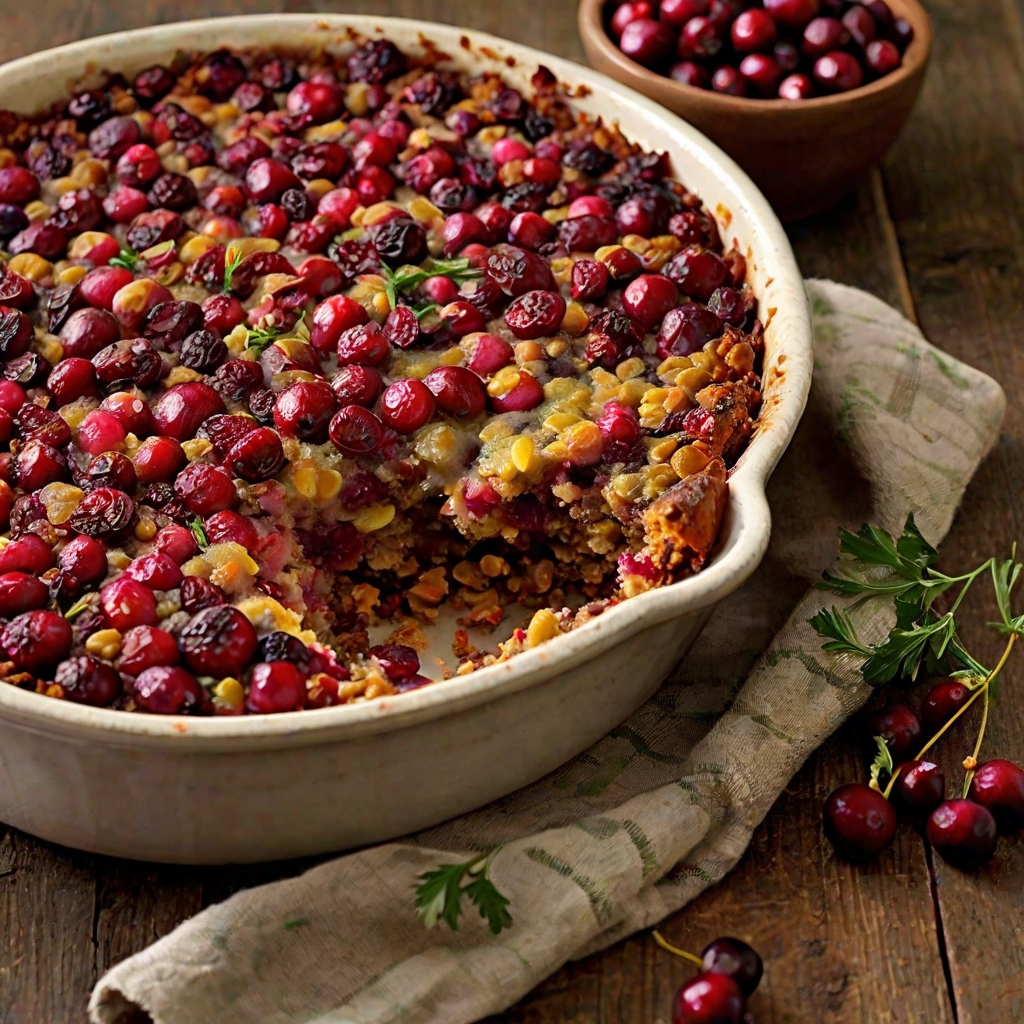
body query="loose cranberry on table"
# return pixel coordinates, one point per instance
(963, 833)
(998, 785)
(859, 822)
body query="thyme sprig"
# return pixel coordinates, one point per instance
(232, 261)
(127, 259)
(439, 894)
(407, 278)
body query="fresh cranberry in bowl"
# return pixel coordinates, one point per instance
(837, 71)
(304, 410)
(218, 641)
(648, 42)
(406, 405)
(36, 641)
(457, 391)
(649, 297)
(167, 690)
(275, 687)
(127, 603)
(87, 680)
(147, 647)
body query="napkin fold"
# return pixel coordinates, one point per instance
(664, 806)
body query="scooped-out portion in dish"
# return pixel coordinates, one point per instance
(294, 347)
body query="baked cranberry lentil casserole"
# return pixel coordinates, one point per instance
(296, 345)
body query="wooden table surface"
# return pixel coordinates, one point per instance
(938, 232)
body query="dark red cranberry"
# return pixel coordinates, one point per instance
(708, 999)
(13, 220)
(102, 511)
(649, 298)
(882, 57)
(920, 785)
(274, 687)
(728, 305)
(219, 75)
(590, 280)
(266, 179)
(198, 593)
(316, 102)
(943, 701)
(687, 329)
(152, 85)
(398, 661)
(156, 571)
(860, 25)
(36, 423)
(786, 55)
(72, 378)
(735, 959)
(530, 230)
(36, 641)
(150, 229)
(304, 410)
(362, 489)
(963, 833)
(109, 469)
(822, 35)
(761, 74)
(237, 377)
(641, 215)
(457, 391)
(20, 592)
(167, 690)
(205, 489)
(29, 370)
(41, 237)
(754, 31)
(838, 72)
(15, 333)
(698, 40)
(793, 14)
(648, 42)
(236, 158)
(613, 334)
(357, 385)
(697, 272)
(402, 326)
(202, 351)
(901, 33)
(495, 218)
(536, 314)
(678, 12)
(376, 61)
(18, 185)
(87, 680)
(728, 81)
(632, 10)
(998, 786)
(37, 464)
(87, 332)
(127, 603)
(173, 192)
(451, 195)
(692, 228)
(114, 137)
(77, 211)
(219, 641)
(900, 729)
(230, 527)
(400, 241)
(517, 271)
(859, 822)
(406, 405)
(461, 229)
(180, 410)
(258, 456)
(796, 87)
(686, 72)
(133, 362)
(364, 344)
(356, 431)
(84, 558)
(169, 323)
(146, 647)
(178, 542)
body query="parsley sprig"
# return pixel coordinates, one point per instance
(127, 259)
(406, 278)
(439, 894)
(232, 260)
(873, 564)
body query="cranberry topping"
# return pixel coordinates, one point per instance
(167, 690)
(219, 641)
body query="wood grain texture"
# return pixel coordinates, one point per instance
(938, 234)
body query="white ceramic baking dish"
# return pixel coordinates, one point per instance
(256, 788)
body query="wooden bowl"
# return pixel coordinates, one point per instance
(804, 154)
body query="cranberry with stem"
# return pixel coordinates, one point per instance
(920, 785)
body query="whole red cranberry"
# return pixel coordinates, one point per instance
(36, 641)
(205, 489)
(84, 559)
(632, 10)
(457, 390)
(882, 57)
(181, 409)
(406, 405)
(218, 642)
(963, 833)
(754, 31)
(620, 429)
(487, 353)
(530, 230)
(697, 272)
(649, 297)
(266, 179)
(943, 701)
(100, 432)
(222, 314)
(138, 165)
(792, 14)
(822, 35)
(838, 72)
(998, 785)
(698, 40)
(72, 378)
(304, 410)
(900, 729)
(859, 822)
(158, 460)
(796, 87)
(461, 318)
(177, 542)
(332, 317)
(167, 690)
(920, 786)
(357, 385)
(18, 185)
(648, 42)
(678, 12)
(708, 999)
(127, 603)
(318, 101)
(402, 326)
(146, 647)
(761, 74)
(88, 680)
(38, 464)
(735, 959)
(860, 25)
(89, 331)
(356, 431)
(15, 333)
(686, 72)
(274, 687)
(230, 527)
(156, 571)
(728, 81)
(257, 456)
(20, 592)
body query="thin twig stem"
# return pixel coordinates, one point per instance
(665, 944)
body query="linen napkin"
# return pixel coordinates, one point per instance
(657, 811)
